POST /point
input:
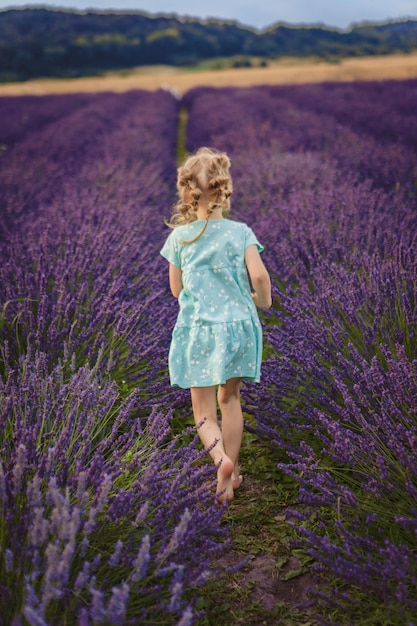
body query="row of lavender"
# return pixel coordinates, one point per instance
(104, 518)
(327, 177)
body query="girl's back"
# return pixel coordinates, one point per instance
(214, 277)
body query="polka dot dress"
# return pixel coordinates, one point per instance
(217, 334)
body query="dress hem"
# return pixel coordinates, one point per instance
(250, 379)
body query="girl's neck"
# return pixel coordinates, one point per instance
(216, 214)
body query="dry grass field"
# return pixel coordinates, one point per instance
(283, 71)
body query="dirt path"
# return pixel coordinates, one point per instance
(284, 71)
(272, 587)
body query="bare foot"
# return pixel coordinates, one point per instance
(236, 478)
(224, 480)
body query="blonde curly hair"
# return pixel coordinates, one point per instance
(204, 175)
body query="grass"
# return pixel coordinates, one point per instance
(267, 590)
(279, 71)
(182, 135)
(274, 576)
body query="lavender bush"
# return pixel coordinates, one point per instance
(105, 517)
(326, 175)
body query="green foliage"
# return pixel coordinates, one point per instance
(42, 42)
(157, 35)
(260, 530)
(182, 135)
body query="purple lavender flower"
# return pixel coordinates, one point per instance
(105, 512)
(329, 189)
(92, 484)
(141, 562)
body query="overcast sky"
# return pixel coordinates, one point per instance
(258, 13)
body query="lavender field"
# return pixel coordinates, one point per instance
(107, 511)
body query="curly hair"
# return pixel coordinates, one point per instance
(203, 174)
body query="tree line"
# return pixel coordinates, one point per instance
(44, 42)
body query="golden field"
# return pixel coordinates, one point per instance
(283, 71)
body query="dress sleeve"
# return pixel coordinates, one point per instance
(250, 239)
(170, 250)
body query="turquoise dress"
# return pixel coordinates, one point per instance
(217, 334)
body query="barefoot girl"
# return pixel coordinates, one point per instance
(217, 339)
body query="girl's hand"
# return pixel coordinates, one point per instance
(258, 304)
(259, 278)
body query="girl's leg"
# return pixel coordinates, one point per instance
(205, 416)
(232, 423)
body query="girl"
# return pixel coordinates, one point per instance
(217, 339)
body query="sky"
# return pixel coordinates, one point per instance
(256, 13)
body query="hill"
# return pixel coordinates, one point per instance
(42, 42)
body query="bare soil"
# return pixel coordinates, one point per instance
(283, 71)
(270, 587)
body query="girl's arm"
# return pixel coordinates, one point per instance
(259, 278)
(175, 280)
